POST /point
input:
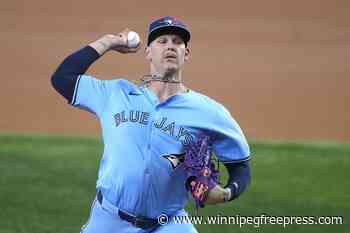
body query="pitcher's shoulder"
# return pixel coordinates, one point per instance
(125, 84)
(206, 101)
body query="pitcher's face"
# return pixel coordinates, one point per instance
(167, 54)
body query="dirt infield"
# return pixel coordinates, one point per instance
(281, 69)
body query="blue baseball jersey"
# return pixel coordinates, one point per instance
(142, 136)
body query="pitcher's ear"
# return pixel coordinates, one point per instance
(187, 53)
(148, 53)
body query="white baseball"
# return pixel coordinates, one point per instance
(133, 39)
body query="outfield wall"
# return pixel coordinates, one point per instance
(281, 67)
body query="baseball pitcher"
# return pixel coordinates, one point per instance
(158, 136)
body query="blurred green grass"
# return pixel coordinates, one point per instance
(47, 184)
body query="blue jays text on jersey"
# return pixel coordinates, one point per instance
(180, 133)
(141, 134)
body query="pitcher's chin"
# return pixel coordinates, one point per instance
(170, 71)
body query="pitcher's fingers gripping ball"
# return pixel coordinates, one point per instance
(133, 39)
(124, 42)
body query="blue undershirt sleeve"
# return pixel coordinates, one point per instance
(239, 178)
(65, 77)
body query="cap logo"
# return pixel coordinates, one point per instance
(168, 21)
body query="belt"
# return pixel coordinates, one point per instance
(137, 221)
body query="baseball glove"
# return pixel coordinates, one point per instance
(201, 173)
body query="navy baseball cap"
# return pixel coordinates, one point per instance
(168, 25)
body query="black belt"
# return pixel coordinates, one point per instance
(138, 221)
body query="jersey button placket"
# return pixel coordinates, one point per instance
(148, 158)
(153, 117)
